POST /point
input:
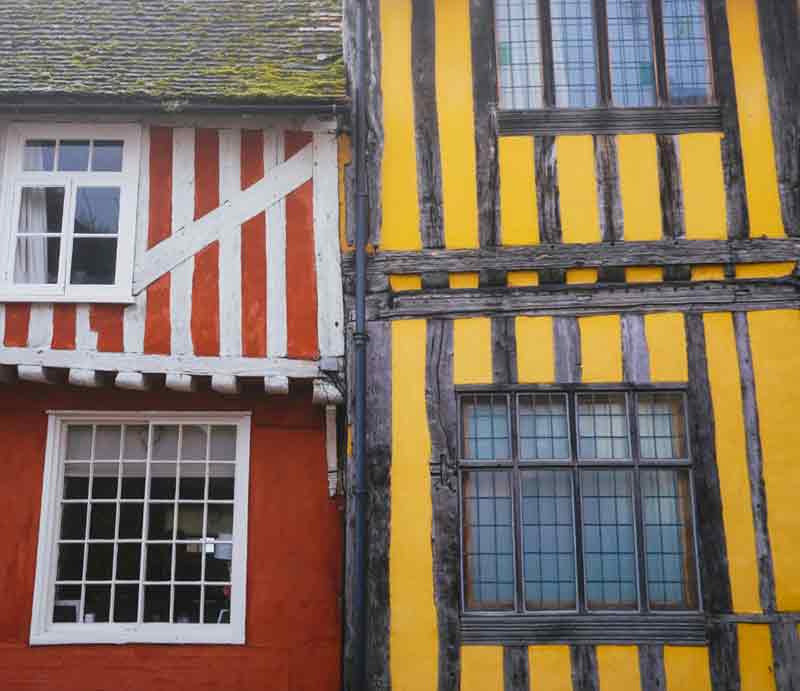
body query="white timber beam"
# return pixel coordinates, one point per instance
(86, 377)
(37, 374)
(331, 449)
(189, 239)
(225, 384)
(325, 393)
(134, 381)
(276, 384)
(181, 382)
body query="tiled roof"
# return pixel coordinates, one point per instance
(184, 50)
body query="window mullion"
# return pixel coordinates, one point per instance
(659, 51)
(641, 571)
(546, 41)
(603, 59)
(580, 586)
(67, 232)
(516, 508)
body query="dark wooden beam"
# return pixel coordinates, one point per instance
(651, 668)
(584, 668)
(635, 352)
(516, 671)
(587, 300)
(606, 162)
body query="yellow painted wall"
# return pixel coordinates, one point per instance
(413, 635)
(578, 276)
(456, 122)
(344, 156)
(644, 274)
(666, 342)
(535, 354)
(755, 658)
(519, 217)
(405, 282)
(686, 669)
(522, 278)
(639, 186)
(776, 270)
(601, 349)
(703, 186)
(726, 396)
(618, 667)
(481, 668)
(465, 280)
(400, 228)
(754, 120)
(580, 220)
(472, 351)
(774, 338)
(550, 667)
(709, 272)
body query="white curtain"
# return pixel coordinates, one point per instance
(30, 265)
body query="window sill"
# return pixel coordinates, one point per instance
(85, 634)
(110, 298)
(686, 628)
(675, 120)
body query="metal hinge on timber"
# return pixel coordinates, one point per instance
(326, 393)
(190, 239)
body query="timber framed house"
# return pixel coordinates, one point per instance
(582, 310)
(171, 344)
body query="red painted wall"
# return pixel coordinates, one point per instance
(294, 556)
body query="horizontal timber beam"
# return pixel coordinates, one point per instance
(570, 256)
(590, 299)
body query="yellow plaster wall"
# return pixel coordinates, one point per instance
(644, 274)
(755, 657)
(580, 220)
(456, 122)
(400, 229)
(618, 667)
(464, 280)
(666, 342)
(413, 635)
(734, 480)
(578, 276)
(703, 186)
(522, 278)
(472, 351)
(754, 120)
(709, 272)
(601, 349)
(535, 354)
(550, 667)
(519, 218)
(774, 338)
(776, 270)
(686, 668)
(481, 668)
(639, 186)
(343, 158)
(405, 282)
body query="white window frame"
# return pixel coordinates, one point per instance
(14, 178)
(44, 631)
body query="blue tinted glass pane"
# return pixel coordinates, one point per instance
(485, 428)
(519, 54)
(574, 61)
(543, 428)
(688, 60)
(631, 53)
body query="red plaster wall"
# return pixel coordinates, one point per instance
(294, 556)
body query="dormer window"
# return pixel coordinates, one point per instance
(69, 212)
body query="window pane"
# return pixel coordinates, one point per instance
(488, 541)
(217, 607)
(485, 428)
(187, 604)
(70, 562)
(99, 561)
(98, 604)
(218, 562)
(97, 211)
(156, 603)
(41, 213)
(223, 443)
(609, 546)
(548, 541)
(193, 444)
(602, 426)
(79, 442)
(39, 155)
(126, 603)
(94, 261)
(67, 605)
(73, 155)
(631, 53)
(519, 54)
(221, 481)
(188, 561)
(73, 521)
(106, 444)
(129, 555)
(662, 426)
(669, 539)
(103, 521)
(543, 428)
(574, 59)
(135, 442)
(688, 60)
(107, 156)
(165, 443)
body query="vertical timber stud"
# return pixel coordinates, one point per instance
(567, 346)
(549, 203)
(715, 579)
(786, 655)
(426, 123)
(484, 71)
(635, 353)
(584, 668)
(378, 455)
(732, 160)
(516, 670)
(781, 51)
(606, 163)
(673, 222)
(440, 400)
(651, 668)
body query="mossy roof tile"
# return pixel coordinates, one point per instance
(193, 50)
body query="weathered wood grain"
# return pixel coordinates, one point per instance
(673, 223)
(504, 350)
(723, 657)
(755, 464)
(548, 200)
(426, 123)
(584, 668)
(635, 353)
(606, 161)
(440, 404)
(786, 655)
(567, 346)
(651, 668)
(516, 672)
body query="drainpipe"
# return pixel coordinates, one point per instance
(360, 354)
